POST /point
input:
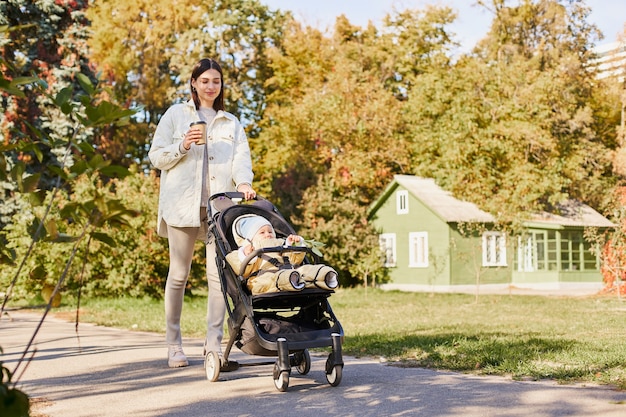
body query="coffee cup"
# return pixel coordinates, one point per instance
(201, 126)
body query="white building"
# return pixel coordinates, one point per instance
(611, 60)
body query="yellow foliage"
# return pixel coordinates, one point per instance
(46, 293)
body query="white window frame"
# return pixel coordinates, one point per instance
(526, 254)
(418, 250)
(402, 202)
(494, 249)
(388, 246)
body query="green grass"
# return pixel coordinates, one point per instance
(524, 337)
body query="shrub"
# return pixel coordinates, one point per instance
(136, 265)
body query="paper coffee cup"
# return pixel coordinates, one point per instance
(201, 125)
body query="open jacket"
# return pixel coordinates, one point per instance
(229, 164)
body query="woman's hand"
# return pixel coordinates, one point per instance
(193, 135)
(247, 191)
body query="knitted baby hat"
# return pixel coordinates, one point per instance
(250, 225)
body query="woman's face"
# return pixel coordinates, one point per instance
(208, 85)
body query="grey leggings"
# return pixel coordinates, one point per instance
(181, 244)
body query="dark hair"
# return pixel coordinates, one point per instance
(199, 69)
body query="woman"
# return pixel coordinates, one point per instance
(190, 173)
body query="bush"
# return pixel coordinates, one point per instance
(136, 265)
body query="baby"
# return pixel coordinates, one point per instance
(273, 272)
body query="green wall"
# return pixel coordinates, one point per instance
(466, 255)
(418, 219)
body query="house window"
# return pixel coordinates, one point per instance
(418, 250)
(402, 202)
(525, 254)
(533, 252)
(494, 249)
(576, 253)
(552, 252)
(541, 250)
(388, 247)
(591, 261)
(536, 251)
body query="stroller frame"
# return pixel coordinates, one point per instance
(308, 313)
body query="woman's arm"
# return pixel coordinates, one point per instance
(168, 146)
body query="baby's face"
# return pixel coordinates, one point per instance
(265, 232)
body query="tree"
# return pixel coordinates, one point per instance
(543, 31)
(513, 127)
(335, 216)
(46, 39)
(146, 50)
(87, 111)
(334, 135)
(616, 94)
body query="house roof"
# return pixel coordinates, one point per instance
(572, 213)
(453, 210)
(441, 202)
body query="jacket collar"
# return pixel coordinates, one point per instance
(220, 113)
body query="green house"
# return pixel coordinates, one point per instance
(435, 242)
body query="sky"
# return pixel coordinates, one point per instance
(471, 25)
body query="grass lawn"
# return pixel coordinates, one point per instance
(568, 339)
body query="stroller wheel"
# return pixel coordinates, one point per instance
(333, 371)
(281, 379)
(212, 366)
(303, 362)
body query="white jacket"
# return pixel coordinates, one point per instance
(181, 172)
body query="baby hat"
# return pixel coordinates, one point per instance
(250, 225)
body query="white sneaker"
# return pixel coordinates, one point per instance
(176, 357)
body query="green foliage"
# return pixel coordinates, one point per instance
(123, 257)
(546, 32)
(45, 40)
(350, 243)
(12, 86)
(335, 133)
(315, 246)
(515, 126)
(52, 219)
(509, 136)
(146, 51)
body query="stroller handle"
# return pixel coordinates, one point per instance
(232, 195)
(220, 201)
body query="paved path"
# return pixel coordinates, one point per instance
(107, 372)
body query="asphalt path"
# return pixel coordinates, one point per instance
(104, 372)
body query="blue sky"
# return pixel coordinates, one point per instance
(471, 25)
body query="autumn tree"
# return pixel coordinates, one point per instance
(334, 135)
(513, 127)
(616, 94)
(146, 50)
(614, 245)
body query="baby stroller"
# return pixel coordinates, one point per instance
(280, 324)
